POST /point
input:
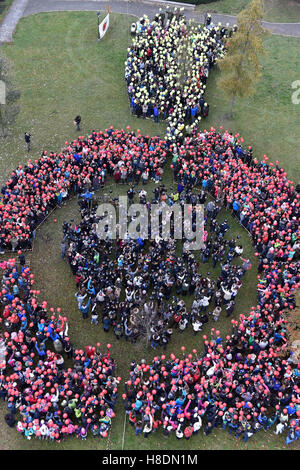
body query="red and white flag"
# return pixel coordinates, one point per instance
(103, 27)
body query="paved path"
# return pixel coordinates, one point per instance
(137, 8)
(11, 19)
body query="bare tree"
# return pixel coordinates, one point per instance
(142, 321)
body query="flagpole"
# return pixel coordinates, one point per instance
(98, 16)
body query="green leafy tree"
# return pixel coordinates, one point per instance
(9, 96)
(240, 67)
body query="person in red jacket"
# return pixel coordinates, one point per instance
(117, 176)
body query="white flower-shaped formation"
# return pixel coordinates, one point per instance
(167, 68)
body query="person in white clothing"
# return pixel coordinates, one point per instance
(198, 423)
(80, 298)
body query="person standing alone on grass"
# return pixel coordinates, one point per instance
(27, 138)
(77, 121)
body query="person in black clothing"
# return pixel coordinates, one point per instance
(201, 104)
(22, 259)
(130, 194)
(77, 122)
(207, 19)
(10, 420)
(27, 137)
(249, 155)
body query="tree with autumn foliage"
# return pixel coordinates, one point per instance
(240, 67)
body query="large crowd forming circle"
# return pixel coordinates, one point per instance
(243, 382)
(237, 380)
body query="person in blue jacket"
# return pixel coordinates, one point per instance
(85, 309)
(156, 114)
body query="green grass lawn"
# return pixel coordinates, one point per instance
(62, 70)
(277, 11)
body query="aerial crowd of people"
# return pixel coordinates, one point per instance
(144, 289)
(35, 189)
(167, 68)
(238, 380)
(46, 398)
(132, 285)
